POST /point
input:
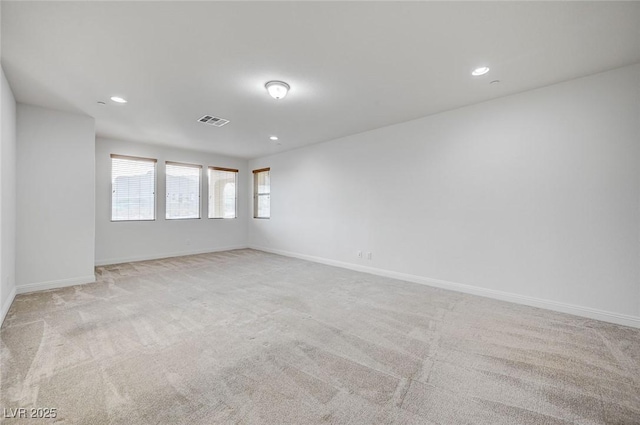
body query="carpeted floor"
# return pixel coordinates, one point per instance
(253, 338)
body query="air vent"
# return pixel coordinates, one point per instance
(215, 121)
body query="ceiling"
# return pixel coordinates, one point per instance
(352, 66)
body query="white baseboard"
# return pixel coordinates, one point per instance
(121, 260)
(54, 284)
(7, 305)
(588, 312)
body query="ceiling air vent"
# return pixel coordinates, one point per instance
(215, 121)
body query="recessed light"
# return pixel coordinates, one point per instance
(101, 103)
(480, 71)
(277, 89)
(118, 99)
(274, 138)
(495, 82)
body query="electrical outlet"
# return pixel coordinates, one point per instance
(359, 254)
(368, 256)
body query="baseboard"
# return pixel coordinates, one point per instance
(7, 305)
(168, 255)
(54, 284)
(588, 312)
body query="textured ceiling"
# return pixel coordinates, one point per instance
(352, 66)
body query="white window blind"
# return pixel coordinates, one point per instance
(183, 190)
(133, 188)
(222, 192)
(261, 193)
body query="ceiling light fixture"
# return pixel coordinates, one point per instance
(274, 138)
(277, 89)
(480, 71)
(118, 99)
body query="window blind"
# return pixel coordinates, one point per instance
(261, 193)
(222, 192)
(183, 190)
(133, 187)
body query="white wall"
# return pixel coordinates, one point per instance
(55, 199)
(532, 198)
(118, 242)
(7, 196)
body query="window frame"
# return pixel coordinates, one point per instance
(230, 170)
(256, 194)
(155, 187)
(166, 187)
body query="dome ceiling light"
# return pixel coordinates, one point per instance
(277, 89)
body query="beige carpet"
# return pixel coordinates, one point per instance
(253, 338)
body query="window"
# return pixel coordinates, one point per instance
(261, 193)
(183, 190)
(222, 192)
(133, 188)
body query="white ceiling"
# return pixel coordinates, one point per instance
(352, 66)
